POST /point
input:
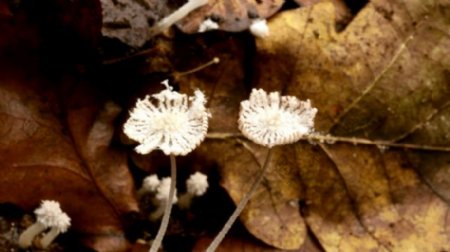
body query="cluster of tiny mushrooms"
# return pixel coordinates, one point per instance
(176, 124)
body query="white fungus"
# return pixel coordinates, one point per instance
(271, 119)
(259, 28)
(61, 226)
(150, 183)
(176, 124)
(196, 186)
(162, 192)
(208, 25)
(48, 215)
(162, 196)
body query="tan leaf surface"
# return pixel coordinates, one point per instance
(400, 212)
(272, 215)
(243, 243)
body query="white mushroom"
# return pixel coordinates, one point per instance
(61, 226)
(196, 185)
(162, 195)
(149, 185)
(208, 25)
(259, 28)
(48, 215)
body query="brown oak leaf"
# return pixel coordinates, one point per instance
(59, 148)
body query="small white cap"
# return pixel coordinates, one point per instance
(170, 121)
(270, 119)
(197, 184)
(51, 215)
(259, 28)
(162, 192)
(62, 223)
(150, 183)
(208, 25)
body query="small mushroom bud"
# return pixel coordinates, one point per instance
(62, 223)
(259, 28)
(149, 185)
(48, 215)
(196, 185)
(162, 196)
(208, 25)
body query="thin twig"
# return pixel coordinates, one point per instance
(329, 139)
(215, 243)
(147, 52)
(215, 60)
(168, 207)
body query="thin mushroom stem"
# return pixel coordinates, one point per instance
(26, 238)
(185, 200)
(218, 239)
(168, 206)
(156, 215)
(49, 237)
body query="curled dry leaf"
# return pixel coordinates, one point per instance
(231, 15)
(130, 20)
(68, 160)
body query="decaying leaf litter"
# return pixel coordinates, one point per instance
(384, 77)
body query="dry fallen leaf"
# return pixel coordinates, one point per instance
(70, 160)
(56, 131)
(273, 214)
(243, 243)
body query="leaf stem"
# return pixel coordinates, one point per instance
(215, 243)
(168, 207)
